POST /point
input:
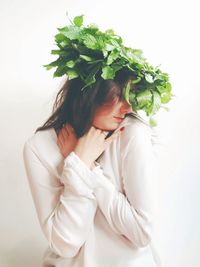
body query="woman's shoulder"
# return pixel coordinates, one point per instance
(42, 145)
(134, 124)
(137, 130)
(133, 116)
(42, 141)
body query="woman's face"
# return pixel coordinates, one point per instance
(109, 116)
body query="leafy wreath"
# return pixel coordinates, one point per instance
(85, 51)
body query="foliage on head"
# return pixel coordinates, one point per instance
(85, 52)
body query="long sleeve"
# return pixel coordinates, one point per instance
(130, 214)
(65, 207)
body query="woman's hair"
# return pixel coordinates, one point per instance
(77, 107)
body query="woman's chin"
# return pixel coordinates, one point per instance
(108, 127)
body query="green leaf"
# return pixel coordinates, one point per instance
(63, 44)
(70, 63)
(53, 64)
(119, 40)
(132, 55)
(115, 43)
(137, 80)
(155, 105)
(116, 67)
(93, 27)
(144, 98)
(90, 41)
(72, 74)
(165, 97)
(168, 87)
(78, 20)
(148, 78)
(112, 57)
(71, 32)
(132, 98)
(105, 52)
(48, 66)
(108, 47)
(107, 73)
(126, 92)
(152, 122)
(60, 71)
(110, 32)
(164, 88)
(55, 52)
(86, 58)
(95, 61)
(61, 38)
(91, 77)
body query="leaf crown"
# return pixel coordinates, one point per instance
(85, 51)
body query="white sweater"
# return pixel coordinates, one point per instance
(96, 218)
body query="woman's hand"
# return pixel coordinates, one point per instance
(90, 146)
(67, 140)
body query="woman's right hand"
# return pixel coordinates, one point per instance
(91, 145)
(66, 140)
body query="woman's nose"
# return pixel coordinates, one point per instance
(126, 107)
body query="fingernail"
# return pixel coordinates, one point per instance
(121, 129)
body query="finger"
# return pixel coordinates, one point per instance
(71, 131)
(61, 137)
(65, 131)
(69, 128)
(59, 140)
(63, 134)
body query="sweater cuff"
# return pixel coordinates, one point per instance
(74, 169)
(94, 179)
(78, 165)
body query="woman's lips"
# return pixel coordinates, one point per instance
(119, 119)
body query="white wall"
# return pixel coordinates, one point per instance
(167, 32)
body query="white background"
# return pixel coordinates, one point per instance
(167, 32)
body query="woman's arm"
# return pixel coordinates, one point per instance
(65, 211)
(130, 214)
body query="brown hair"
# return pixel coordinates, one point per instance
(77, 107)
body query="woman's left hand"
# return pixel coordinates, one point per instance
(67, 140)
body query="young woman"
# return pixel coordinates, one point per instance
(93, 184)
